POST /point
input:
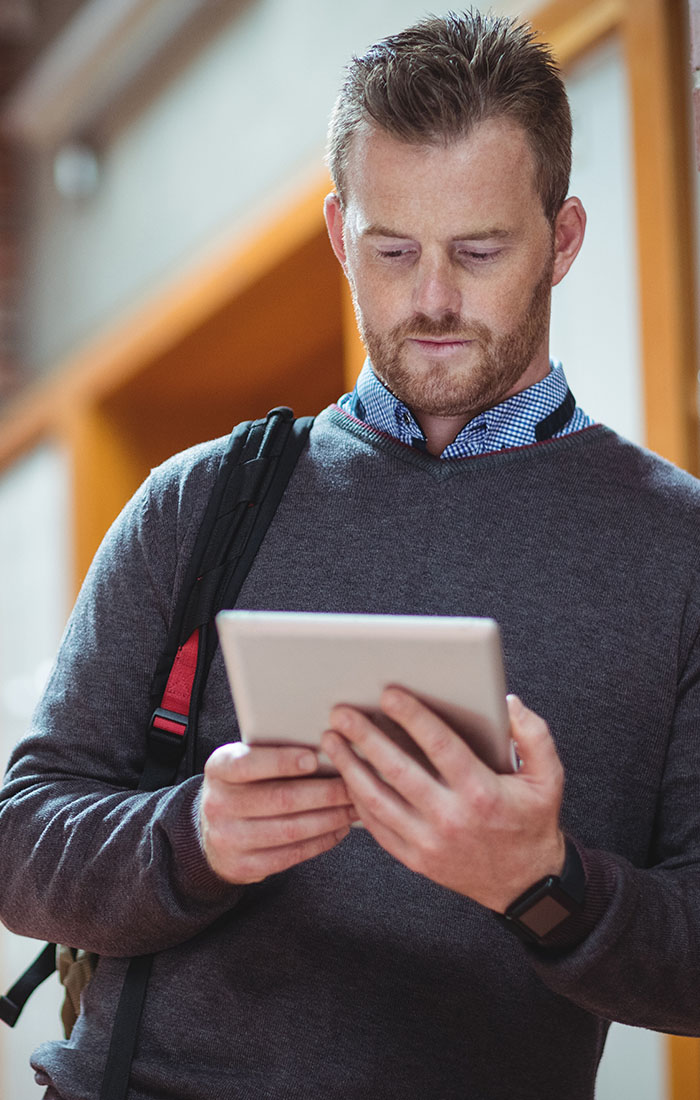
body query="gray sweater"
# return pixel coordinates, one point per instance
(349, 976)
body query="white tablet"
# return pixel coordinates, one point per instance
(288, 669)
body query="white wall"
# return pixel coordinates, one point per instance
(34, 582)
(595, 315)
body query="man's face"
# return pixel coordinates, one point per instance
(450, 261)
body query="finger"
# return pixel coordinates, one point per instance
(451, 758)
(379, 765)
(274, 798)
(390, 840)
(449, 753)
(239, 763)
(258, 865)
(376, 794)
(258, 833)
(533, 740)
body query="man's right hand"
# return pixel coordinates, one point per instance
(263, 810)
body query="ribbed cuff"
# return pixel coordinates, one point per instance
(196, 877)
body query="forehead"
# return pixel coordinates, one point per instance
(488, 175)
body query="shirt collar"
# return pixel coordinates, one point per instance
(513, 423)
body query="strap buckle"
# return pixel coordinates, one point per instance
(166, 735)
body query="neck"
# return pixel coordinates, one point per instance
(439, 431)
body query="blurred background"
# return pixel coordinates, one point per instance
(164, 273)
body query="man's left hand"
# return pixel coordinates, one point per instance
(482, 834)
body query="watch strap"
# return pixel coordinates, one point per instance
(549, 902)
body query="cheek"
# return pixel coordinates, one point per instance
(381, 302)
(506, 304)
(501, 303)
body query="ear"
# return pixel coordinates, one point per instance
(569, 230)
(333, 214)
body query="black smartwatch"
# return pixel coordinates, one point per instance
(551, 901)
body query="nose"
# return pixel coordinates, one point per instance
(436, 291)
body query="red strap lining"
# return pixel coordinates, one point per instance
(178, 690)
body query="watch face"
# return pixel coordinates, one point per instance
(544, 915)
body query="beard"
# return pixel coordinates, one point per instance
(444, 389)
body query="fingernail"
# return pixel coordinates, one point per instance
(391, 698)
(307, 762)
(328, 741)
(340, 720)
(238, 749)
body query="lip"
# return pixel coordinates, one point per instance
(439, 346)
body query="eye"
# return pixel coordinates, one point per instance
(478, 257)
(395, 253)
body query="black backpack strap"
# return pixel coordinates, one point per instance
(15, 999)
(253, 475)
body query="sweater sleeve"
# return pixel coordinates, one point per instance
(87, 859)
(639, 962)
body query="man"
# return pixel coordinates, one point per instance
(298, 957)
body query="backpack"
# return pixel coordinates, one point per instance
(253, 473)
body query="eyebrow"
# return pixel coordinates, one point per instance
(491, 233)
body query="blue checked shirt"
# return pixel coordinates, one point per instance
(513, 423)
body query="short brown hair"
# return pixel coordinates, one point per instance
(436, 80)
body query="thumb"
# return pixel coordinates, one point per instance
(533, 741)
